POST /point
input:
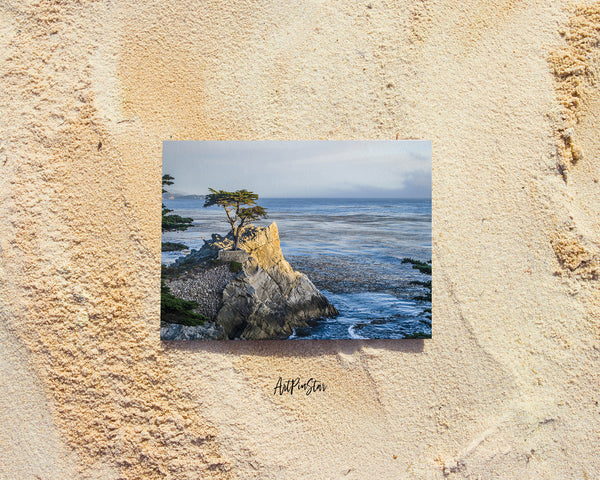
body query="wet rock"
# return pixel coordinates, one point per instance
(379, 321)
(175, 331)
(303, 331)
(208, 251)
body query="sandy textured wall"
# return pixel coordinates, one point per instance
(508, 93)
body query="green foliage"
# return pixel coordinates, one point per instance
(168, 271)
(224, 198)
(418, 335)
(422, 267)
(167, 180)
(177, 310)
(175, 222)
(424, 298)
(235, 267)
(173, 247)
(172, 222)
(240, 208)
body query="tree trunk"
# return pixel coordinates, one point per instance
(236, 238)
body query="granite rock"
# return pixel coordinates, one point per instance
(267, 299)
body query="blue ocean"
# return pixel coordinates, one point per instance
(351, 249)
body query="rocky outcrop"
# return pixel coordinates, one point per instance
(267, 298)
(175, 331)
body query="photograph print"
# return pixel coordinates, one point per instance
(298, 240)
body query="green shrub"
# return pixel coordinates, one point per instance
(178, 310)
(422, 267)
(235, 267)
(169, 271)
(173, 247)
(175, 222)
(418, 335)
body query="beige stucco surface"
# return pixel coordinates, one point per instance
(507, 92)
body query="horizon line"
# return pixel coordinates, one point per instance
(306, 198)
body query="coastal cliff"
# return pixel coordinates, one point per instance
(259, 295)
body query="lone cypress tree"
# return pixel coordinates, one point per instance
(238, 214)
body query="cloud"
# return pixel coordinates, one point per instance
(397, 169)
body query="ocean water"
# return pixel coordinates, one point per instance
(352, 250)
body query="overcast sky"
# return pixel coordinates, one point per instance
(372, 168)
